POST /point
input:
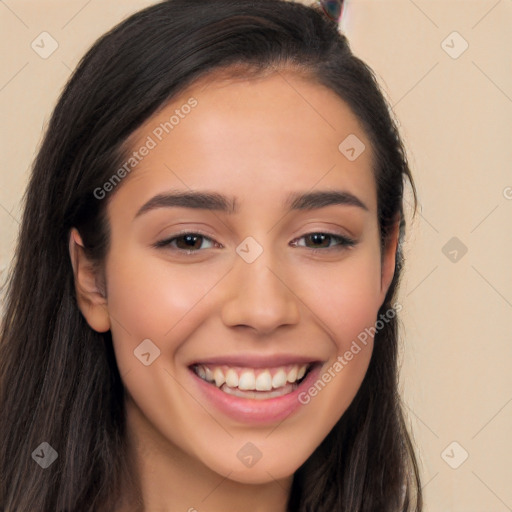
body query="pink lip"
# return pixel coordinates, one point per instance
(260, 412)
(256, 361)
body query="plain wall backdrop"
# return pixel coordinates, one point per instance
(445, 67)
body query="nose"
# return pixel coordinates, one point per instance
(260, 296)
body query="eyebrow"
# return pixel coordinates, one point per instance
(218, 202)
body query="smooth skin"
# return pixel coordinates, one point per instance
(256, 140)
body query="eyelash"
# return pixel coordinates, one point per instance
(343, 242)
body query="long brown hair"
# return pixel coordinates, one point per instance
(59, 382)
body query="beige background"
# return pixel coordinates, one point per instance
(455, 117)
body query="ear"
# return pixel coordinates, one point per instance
(389, 258)
(90, 297)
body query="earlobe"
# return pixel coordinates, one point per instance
(91, 300)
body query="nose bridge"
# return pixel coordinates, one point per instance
(259, 295)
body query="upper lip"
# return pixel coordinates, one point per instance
(257, 360)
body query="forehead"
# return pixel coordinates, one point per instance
(260, 136)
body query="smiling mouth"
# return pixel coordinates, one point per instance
(251, 383)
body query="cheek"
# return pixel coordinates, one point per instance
(346, 296)
(149, 298)
(347, 301)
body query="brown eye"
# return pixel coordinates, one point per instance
(189, 242)
(319, 240)
(324, 241)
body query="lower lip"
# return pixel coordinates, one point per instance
(246, 410)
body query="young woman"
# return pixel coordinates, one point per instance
(202, 312)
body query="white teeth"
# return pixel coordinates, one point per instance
(292, 375)
(232, 378)
(264, 381)
(279, 379)
(208, 374)
(201, 372)
(219, 377)
(246, 380)
(258, 395)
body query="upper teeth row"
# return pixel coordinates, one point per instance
(247, 379)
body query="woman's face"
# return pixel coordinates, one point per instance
(258, 261)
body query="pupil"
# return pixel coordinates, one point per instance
(191, 241)
(319, 238)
